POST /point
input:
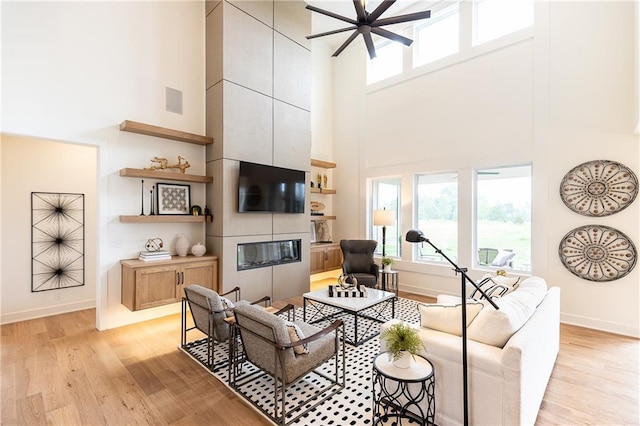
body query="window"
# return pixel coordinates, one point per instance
(438, 36)
(503, 217)
(387, 63)
(437, 215)
(495, 18)
(386, 196)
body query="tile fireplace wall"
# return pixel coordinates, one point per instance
(258, 109)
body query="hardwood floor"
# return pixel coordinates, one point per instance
(61, 371)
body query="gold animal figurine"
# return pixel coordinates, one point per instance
(164, 164)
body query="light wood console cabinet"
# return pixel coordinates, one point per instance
(325, 257)
(150, 284)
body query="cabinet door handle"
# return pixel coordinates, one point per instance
(178, 278)
(182, 277)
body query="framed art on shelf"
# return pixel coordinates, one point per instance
(174, 199)
(312, 232)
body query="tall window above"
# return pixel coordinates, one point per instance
(436, 203)
(495, 18)
(386, 196)
(503, 217)
(437, 37)
(387, 63)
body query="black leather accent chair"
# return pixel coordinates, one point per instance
(358, 261)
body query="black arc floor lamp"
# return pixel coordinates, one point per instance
(417, 236)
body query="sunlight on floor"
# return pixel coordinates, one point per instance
(322, 280)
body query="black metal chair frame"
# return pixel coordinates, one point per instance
(337, 383)
(211, 335)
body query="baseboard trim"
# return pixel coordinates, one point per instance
(47, 311)
(601, 325)
(579, 321)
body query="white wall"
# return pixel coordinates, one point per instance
(558, 99)
(72, 71)
(36, 165)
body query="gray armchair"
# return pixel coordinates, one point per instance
(358, 261)
(209, 311)
(267, 345)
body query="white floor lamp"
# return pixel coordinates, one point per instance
(383, 218)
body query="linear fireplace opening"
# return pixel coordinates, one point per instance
(268, 253)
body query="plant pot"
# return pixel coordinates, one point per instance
(405, 360)
(386, 268)
(182, 245)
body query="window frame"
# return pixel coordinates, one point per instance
(375, 232)
(475, 217)
(416, 256)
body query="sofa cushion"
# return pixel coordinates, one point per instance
(495, 327)
(447, 318)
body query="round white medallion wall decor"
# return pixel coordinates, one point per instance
(599, 188)
(597, 253)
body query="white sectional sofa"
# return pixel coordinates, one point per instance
(507, 381)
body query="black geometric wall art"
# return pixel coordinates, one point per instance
(57, 240)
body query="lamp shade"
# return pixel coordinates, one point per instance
(383, 218)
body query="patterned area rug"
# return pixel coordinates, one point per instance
(352, 405)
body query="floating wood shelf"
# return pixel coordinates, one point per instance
(155, 174)
(323, 164)
(163, 132)
(323, 191)
(162, 219)
(317, 218)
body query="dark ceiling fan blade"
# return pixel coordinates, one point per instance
(331, 14)
(402, 18)
(392, 36)
(370, 47)
(346, 43)
(382, 8)
(360, 12)
(331, 32)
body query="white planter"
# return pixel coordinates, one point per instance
(386, 268)
(182, 245)
(405, 360)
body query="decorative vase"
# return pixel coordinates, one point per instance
(386, 268)
(405, 360)
(182, 245)
(198, 250)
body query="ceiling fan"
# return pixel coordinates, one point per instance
(367, 23)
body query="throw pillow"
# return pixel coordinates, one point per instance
(447, 318)
(227, 305)
(495, 286)
(495, 327)
(295, 334)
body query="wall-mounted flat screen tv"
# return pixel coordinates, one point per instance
(263, 188)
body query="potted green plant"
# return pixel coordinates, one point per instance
(403, 343)
(386, 263)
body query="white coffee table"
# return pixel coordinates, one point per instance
(377, 300)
